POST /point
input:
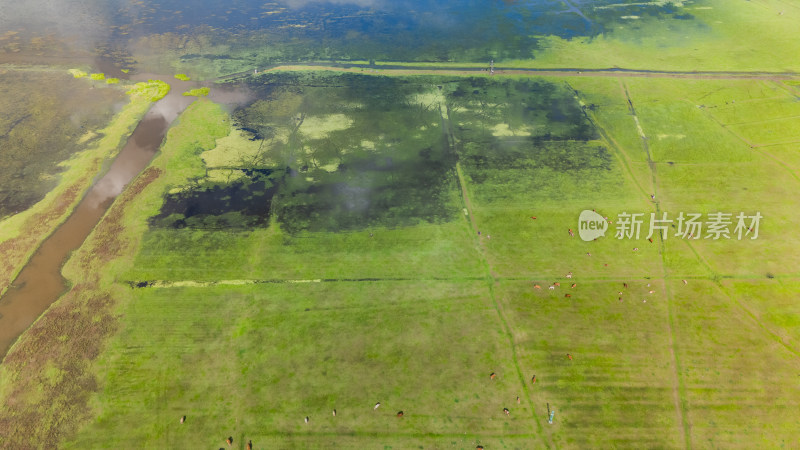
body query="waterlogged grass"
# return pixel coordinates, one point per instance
(182, 77)
(97, 76)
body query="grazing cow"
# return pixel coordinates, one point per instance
(569, 275)
(552, 288)
(492, 375)
(480, 447)
(505, 410)
(571, 233)
(650, 239)
(536, 286)
(556, 284)
(249, 445)
(334, 413)
(567, 295)
(685, 282)
(625, 285)
(533, 379)
(652, 292)
(569, 356)
(518, 400)
(183, 419)
(636, 249)
(229, 441)
(377, 405)
(307, 419)
(573, 285)
(400, 414)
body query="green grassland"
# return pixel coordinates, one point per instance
(640, 375)
(319, 290)
(717, 35)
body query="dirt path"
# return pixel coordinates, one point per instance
(678, 387)
(401, 69)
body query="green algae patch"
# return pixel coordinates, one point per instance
(199, 92)
(77, 73)
(183, 77)
(125, 70)
(151, 91)
(98, 76)
(112, 80)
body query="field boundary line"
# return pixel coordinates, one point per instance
(619, 152)
(678, 386)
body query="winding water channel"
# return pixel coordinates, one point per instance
(40, 282)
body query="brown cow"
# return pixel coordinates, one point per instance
(492, 375)
(229, 441)
(400, 414)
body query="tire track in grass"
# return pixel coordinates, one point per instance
(610, 141)
(678, 385)
(492, 278)
(716, 277)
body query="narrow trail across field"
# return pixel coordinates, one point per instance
(492, 278)
(678, 384)
(401, 69)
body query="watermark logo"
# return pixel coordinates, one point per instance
(715, 226)
(591, 225)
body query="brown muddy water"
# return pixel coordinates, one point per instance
(40, 282)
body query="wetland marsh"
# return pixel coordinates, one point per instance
(343, 203)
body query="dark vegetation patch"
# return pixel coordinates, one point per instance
(389, 158)
(542, 126)
(387, 165)
(238, 205)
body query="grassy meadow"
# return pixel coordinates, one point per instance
(274, 304)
